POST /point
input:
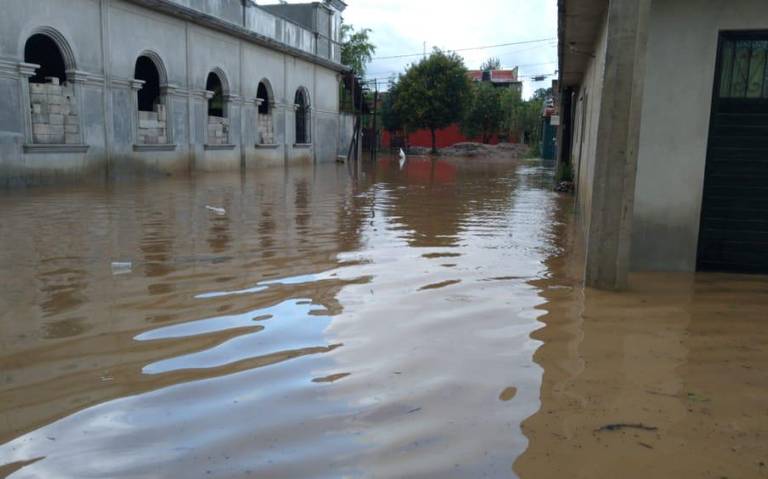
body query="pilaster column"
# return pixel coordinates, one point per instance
(78, 79)
(26, 71)
(135, 85)
(167, 91)
(207, 95)
(613, 189)
(233, 102)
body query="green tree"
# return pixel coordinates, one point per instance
(356, 48)
(493, 63)
(433, 93)
(484, 113)
(390, 116)
(522, 118)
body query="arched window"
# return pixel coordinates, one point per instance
(153, 116)
(216, 103)
(42, 50)
(265, 128)
(149, 95)
(218, 124)
(263, 95)
(302, 117)
(53, 109)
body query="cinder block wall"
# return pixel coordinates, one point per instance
(54, 113)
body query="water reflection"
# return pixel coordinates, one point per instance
(404, 324)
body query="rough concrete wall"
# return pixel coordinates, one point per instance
(346, 128)
(11, 132)
(134, 30)
(682, 51)
(77, 20)
(304, 15)
(230, 10)
(585, 142)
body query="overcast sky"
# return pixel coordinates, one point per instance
(402, 26)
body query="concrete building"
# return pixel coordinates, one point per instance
(498, 78)
(95, 87)
(665, 123)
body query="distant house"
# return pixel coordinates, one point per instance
(498, 78)
(665, 123)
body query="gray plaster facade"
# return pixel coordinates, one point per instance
(640, 75)
(100, 42)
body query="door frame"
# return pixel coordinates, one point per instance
(722, 37)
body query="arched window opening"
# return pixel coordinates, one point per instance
(149, 95)
(302, 117)
(218, 124)
(42, 50)
(266, 132)
(153, 117)
(53, 109)
(263, 95)
(216, 103)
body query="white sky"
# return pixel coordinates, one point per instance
(402, 26)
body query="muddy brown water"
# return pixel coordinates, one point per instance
(421, 323)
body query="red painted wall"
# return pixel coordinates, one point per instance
(444, 138)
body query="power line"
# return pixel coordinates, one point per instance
(408, 55)
(395, 72)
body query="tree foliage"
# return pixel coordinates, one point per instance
(356, 48)
(484, 113)
(433, 93)
(493, 63)
(521, 119)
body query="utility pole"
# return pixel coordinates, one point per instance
(375, 139)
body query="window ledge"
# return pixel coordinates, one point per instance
(166, 147)
(268, 146)
(302, 145)
(51, 148)
(219, 147)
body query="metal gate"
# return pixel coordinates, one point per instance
(734, 222)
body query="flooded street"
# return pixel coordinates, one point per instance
(421, 323)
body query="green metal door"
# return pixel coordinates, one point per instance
(548, 139)
(734, 221)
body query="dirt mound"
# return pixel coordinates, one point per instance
(479, 149)
(471, 149)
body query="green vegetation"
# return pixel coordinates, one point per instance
(435, 93)
(493, 63)
(432, 94)
(356, 48)
(522, 118)
(484, 113)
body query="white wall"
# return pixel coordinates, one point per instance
(682, 50)
(106, 38)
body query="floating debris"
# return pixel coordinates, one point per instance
(218, 211)
(122, 267)
(508, 394)
(620, 426)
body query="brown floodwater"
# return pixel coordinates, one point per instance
(427, 322)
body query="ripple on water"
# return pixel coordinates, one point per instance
(319, 329)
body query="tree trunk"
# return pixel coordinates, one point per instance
(434, 141)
